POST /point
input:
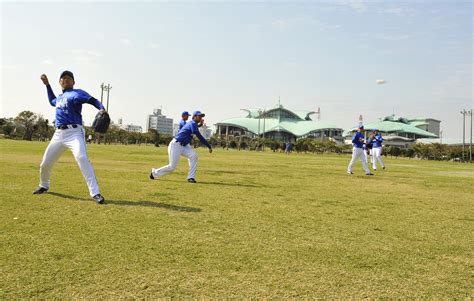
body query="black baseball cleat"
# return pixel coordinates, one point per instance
(40, 190)
(350, 173)
(191, 180)
(383, 167)
(99, 199)
(151, 176)
(369, 174)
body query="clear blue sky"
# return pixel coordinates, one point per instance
(219, 57)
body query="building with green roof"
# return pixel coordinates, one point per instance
(280, 124)
(402, 132)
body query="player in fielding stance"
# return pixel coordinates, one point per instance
(181, 145)
(358, 151)
(69, 133)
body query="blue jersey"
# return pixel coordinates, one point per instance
(69, 105)
(184, 136)
(182, 123)
(377, 141)
(358, 140)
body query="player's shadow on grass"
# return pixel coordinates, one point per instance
(220, 183)
(130, 203)
(153, 204)
(231, 184)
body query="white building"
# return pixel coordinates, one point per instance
(160, 123)
(129, 127)
(132, 128)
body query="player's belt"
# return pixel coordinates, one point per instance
(182, 143)
(67, 126)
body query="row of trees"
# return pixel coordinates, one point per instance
(31, 126)
(27, 126)
(433, 151)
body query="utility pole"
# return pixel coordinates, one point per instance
(108, 88)
(470, 143)
(101, 92)
(102, 89)
(464, 113)
(264, 129)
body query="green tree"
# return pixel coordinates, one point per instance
(27, 121)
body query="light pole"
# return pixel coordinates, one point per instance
(102, 89)
(258, 132)
(470, 142)
(264, 129)
(464, 113)
(108, 88)
(101, 92)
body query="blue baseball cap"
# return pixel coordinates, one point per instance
(67, 73)
(185, 113)
(198, 113)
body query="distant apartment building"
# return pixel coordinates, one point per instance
(159, 122)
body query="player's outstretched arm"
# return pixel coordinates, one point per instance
(51, 96)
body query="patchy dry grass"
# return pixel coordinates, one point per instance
(260, 225)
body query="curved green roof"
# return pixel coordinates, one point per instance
(397, 127)
(296, 127)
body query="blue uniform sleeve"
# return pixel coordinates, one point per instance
(379, 139)
(355, 138)
(51, 96)
(200, 137)
(84, 97)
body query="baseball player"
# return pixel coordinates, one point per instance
(376, 141)
(184, 118)
(358, 151)
(181, 145)
(69, 133)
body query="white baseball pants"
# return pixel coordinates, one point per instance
(175, 151)
(377, 156)
(356, 154)
(73, 139)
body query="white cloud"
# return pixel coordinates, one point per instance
(10, 67)
(281, 24)
(125, 41)
(152, 45)
(86, 52)
(359, 6)
(99, 36)
(399, 11)
(85, 56)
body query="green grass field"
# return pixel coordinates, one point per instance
(257, 225)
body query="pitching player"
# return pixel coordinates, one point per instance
(184, 119)
(69, 133)
(181, 146)
(377, 149)
(358, 151)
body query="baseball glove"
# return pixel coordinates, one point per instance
(101, 122)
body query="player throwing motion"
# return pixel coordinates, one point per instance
(358, 151)
(69, 133)
(181, 145)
